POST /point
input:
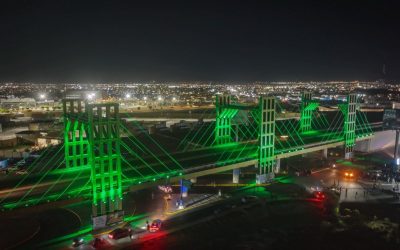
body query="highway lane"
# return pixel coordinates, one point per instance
(351, 189)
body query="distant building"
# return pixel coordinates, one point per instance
(83, 94)
(16, 103)
(46, 140)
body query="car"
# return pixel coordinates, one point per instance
(120, 233)
(76, 242)
(319, 195)
(155, 226)
(349, 174)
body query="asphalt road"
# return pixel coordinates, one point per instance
(208, 212)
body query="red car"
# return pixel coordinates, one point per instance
(155, 226)
(319, 195)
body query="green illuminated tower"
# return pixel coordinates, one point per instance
(266, 137)
(223, 119)
(306, 110)
(99, 137)
(75, 139)
(105, 157)
(349, 111)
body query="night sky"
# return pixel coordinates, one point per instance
(126, 41)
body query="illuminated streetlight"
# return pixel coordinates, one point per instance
(128, 96)
(145, 98)
(90, 96)
(160, 98)
(42, 96)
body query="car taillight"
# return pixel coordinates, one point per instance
(110, 236)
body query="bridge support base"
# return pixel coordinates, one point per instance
(277, 166)
(325, 153)
(264, 178)
(235, 178)
(396, 148)
(348, 155)
(261, 178)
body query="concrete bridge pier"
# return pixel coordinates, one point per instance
(277, 166)
(235, 178)
(260, 178)
(396, 146)
(348, 155)
(325, 153)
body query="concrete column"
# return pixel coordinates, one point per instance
(396, 147)
(236, 173)
(261, 178)
(348, 155)
(325, 153)
(277, 166)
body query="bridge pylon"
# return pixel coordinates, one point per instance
(349, 110)
(76, 142)
(223, 121)
(92, 138)
(307, 108)
(266, 138)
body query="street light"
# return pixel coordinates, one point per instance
(127, 96)
(90, 96)
(42, 96)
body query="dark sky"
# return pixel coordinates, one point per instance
(101, 41)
